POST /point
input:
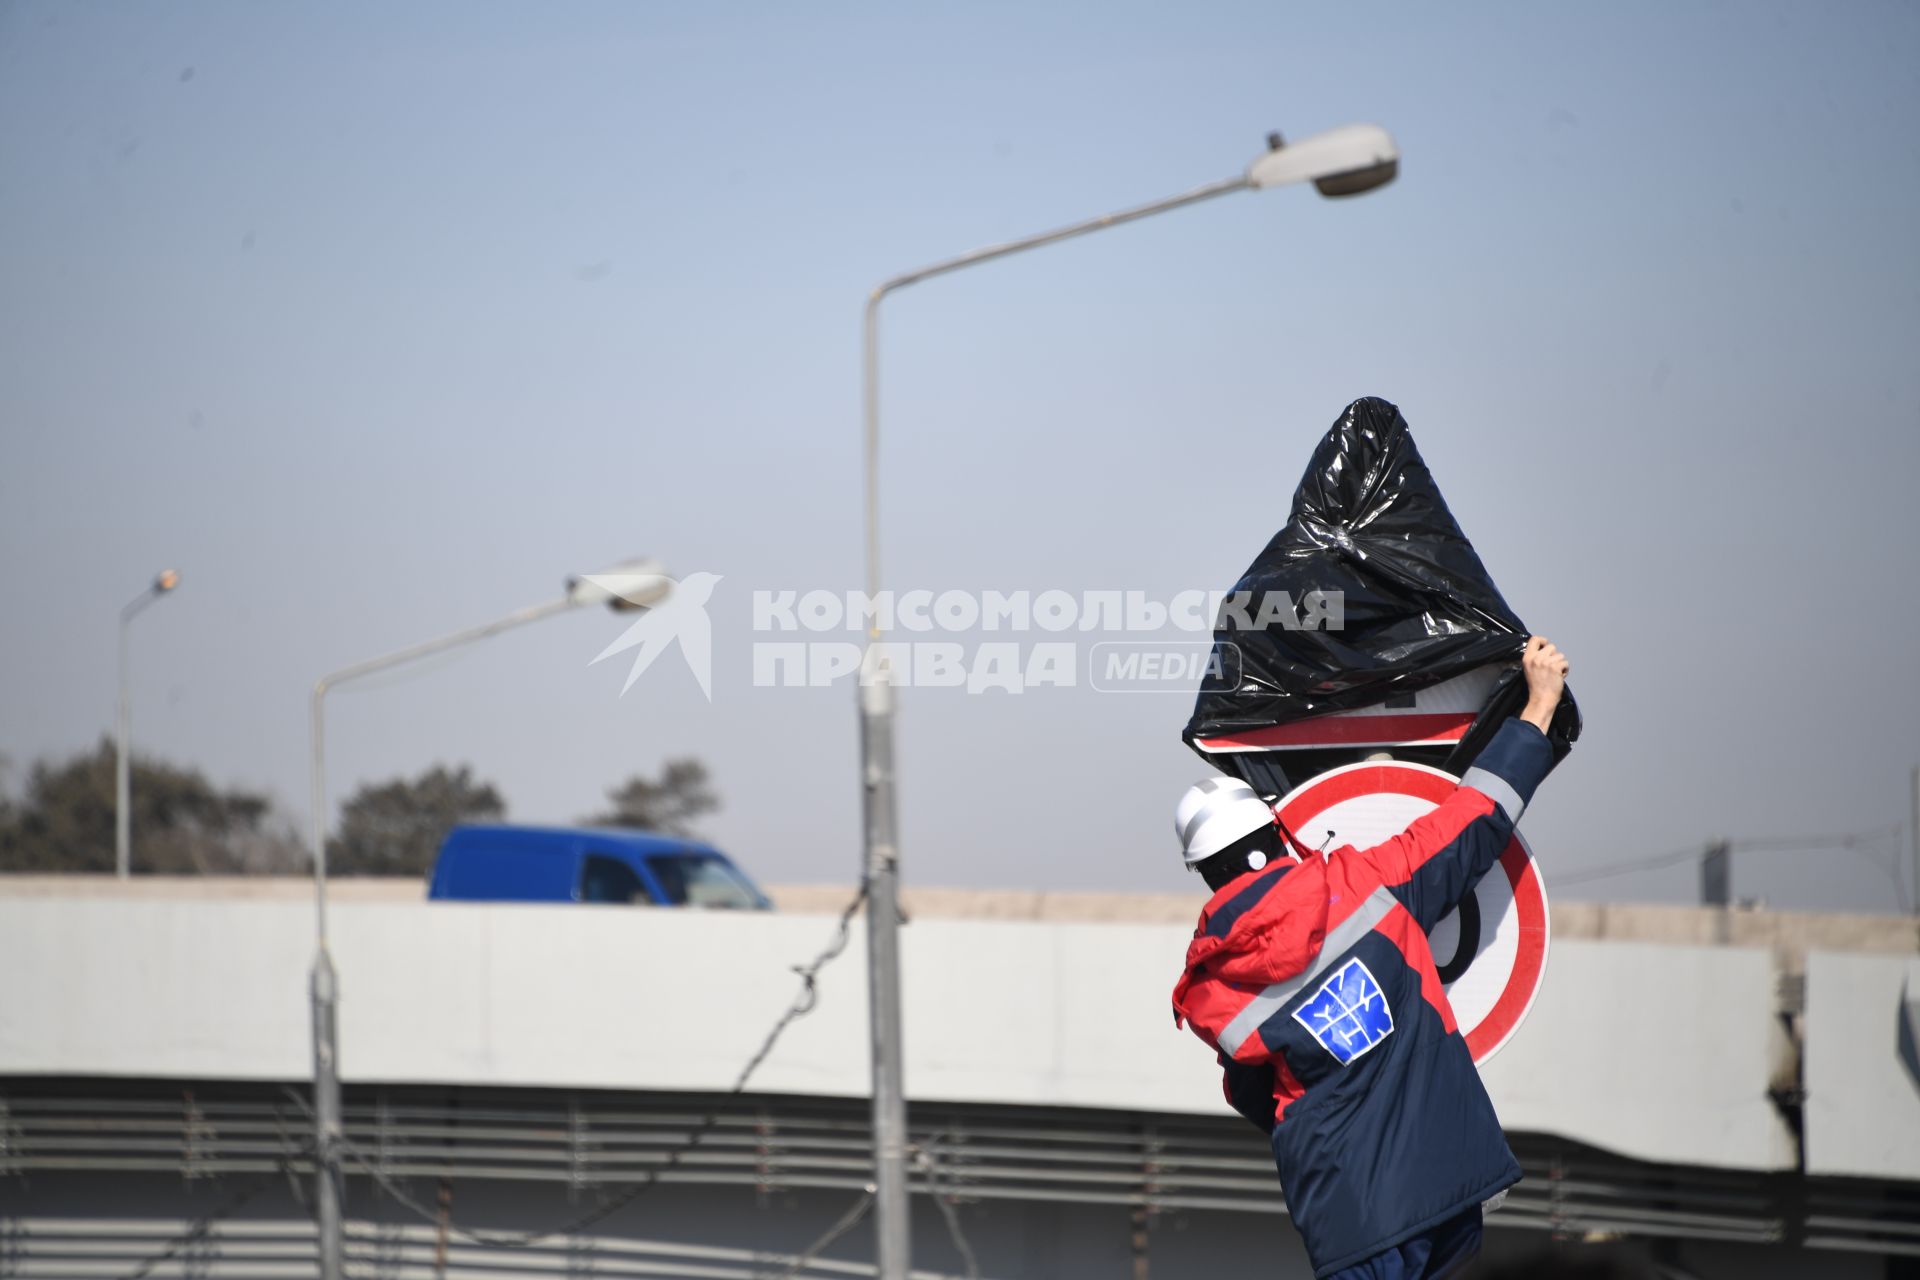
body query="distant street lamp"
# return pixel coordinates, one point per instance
(167, 580)
(633, 584)
(1340, 162)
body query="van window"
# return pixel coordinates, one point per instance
(604, 879)
(702, 880)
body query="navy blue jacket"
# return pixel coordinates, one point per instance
(1314, 984)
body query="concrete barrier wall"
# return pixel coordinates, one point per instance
(1863, 1088)
(1657, 1052)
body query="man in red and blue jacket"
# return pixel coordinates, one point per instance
(1312, 981)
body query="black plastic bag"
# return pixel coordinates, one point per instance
(1370, 533)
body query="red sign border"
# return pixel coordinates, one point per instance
(1366, 778)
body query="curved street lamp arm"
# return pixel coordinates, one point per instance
(1101, 223)
(428, 648)
(871, 351)
(344, 675)
(135, 605)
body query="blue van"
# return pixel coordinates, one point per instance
(588, 864)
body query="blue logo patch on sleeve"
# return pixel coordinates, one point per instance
(1348, 1015)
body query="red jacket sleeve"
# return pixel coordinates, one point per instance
(1439, 858)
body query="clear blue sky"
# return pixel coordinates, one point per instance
(379, 320)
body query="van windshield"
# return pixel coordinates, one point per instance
(703, 880)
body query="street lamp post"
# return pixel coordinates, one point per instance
(164, 582)
(635, 584)
(1340, 162)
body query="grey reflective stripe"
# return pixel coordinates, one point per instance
(1200, 815)
(1496, 789)
(1338, 940)
(1208, 809)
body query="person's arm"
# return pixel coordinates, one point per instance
(1438, 859)
(1546, 671)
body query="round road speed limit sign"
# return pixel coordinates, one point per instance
(1492, 950)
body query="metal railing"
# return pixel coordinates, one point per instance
(592, 1144)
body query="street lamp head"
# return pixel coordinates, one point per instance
(167, 581)
(1340, 162)
(628, 586)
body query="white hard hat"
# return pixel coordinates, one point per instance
(1215, 813)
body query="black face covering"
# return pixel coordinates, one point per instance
(1228, 865)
